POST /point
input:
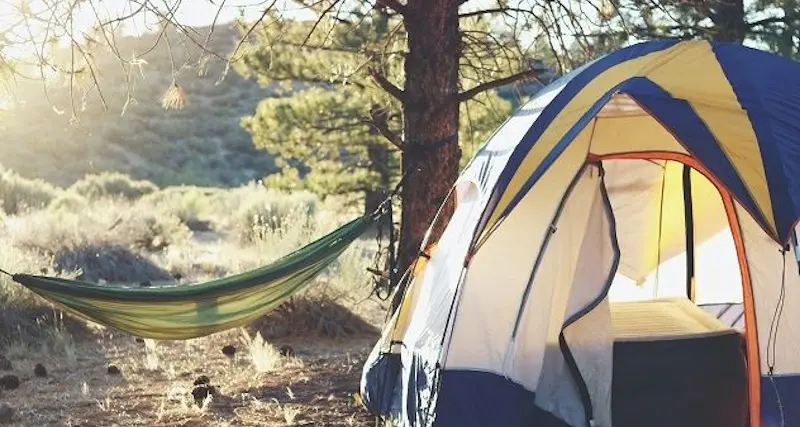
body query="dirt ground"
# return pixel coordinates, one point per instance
(314, 387)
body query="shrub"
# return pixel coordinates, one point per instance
(68, 201)
(18, 194)
(112, 185)
(263, 213)
(151, 231)
(191, 205)
(102, 223)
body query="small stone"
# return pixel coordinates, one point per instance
(200, 393)
(229, 350)
(9, 382)
(5, 364)
(6, 413)
(287, 351)
(202, 380)
(40, 371)
(113, 370)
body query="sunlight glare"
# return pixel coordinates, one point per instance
(717, 275)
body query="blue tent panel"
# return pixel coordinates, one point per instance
(786, 408)
(768, 88)
(481, 399)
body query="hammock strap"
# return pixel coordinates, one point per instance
(384, 281)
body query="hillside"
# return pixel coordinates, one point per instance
(202, 144)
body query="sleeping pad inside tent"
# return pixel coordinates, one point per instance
(674, 364)
(622, 253)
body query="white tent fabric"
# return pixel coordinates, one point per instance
(582, 255)
(498, 276)
(776, 296)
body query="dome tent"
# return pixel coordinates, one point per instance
(671, 165)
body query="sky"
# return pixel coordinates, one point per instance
(189, 12)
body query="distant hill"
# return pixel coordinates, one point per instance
(202, 144)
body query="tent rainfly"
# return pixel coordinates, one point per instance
(621, 254)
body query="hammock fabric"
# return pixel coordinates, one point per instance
(184, 312)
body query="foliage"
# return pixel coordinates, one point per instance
(18, 194)
(263, 218)
(112, 185)
(325, 131)
(768, 23)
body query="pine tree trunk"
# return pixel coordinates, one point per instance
(431, 69)
(728, 18)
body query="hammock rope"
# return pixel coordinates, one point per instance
(190, 311)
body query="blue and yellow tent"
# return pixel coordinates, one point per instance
(595, 235)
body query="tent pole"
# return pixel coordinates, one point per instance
(688, 215)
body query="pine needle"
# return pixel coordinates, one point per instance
(174, 98)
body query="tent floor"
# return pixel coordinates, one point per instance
(691, 378)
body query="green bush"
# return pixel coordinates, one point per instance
(112, 185)
(18, 194)
(151, 231)
(191, 205)
(68, 201)
(260, 211)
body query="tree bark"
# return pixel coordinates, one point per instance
(431, 151)
(728, 17)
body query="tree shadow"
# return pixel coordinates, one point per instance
(110, 262)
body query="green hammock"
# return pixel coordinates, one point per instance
(190, 311)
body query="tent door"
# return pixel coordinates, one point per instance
(575, 381)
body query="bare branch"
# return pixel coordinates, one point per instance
(471, 93)
(319, 20)
(251, 28)
(379, 122)
(213, 26)
(386, 85)
(393, 4)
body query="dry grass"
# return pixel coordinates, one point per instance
(330, 327)
(314, 388)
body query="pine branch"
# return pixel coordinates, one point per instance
(502, 10)
(386, 85)
(770, 20)
(483, 87)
